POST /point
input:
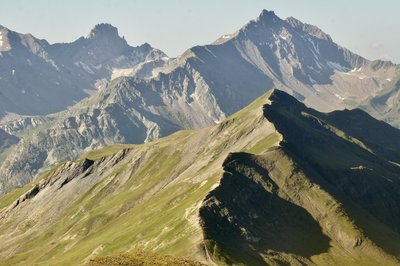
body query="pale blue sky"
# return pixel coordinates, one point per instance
(370, 28)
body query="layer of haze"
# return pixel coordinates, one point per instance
(369, 28)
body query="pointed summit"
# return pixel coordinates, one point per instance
(267, 13)
(267, 17)
(105, 42)
(103, 30)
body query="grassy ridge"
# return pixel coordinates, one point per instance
(143, 197)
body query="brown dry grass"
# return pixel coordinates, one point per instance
(141, 258)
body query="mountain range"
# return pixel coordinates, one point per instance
(38, 78)
(276, 183)
(197, 89)
(139, 94)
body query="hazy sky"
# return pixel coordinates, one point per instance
(370, 28)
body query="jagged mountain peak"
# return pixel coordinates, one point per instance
(103, 30)
(146, 45)
(311, 29)
(268, 20)
(265, 20)
(39, 78)
(267, 15)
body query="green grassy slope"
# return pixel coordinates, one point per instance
(132, 197)
(327, 195)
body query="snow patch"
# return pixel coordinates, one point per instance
(339, 97)
(389, 80)
(98, 67)
(337, 66)
(216, 121)
(120, 58)
(89, 91)
(227, 36)
(318, 64)
(121, 72)
(203, 183)
(356, 69)
(84, 66)
(311, 79)
(353, 74)
(316, 48)
(312, 68)
(13, 72)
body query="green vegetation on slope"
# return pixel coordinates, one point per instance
(130, 197)
(272, 184)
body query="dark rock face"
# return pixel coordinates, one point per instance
(348, 153)
(263, 205)
(104, 30)
(358, 165)
(245, 215)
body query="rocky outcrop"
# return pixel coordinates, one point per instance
(7, 140)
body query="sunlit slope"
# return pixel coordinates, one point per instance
(128, 197)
